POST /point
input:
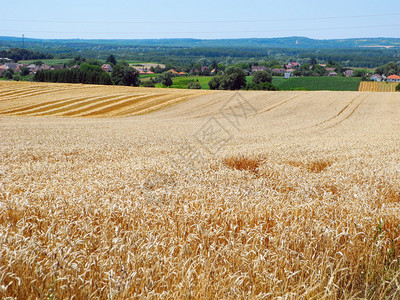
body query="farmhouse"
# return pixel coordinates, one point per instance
(258, 69)
(348, 73)
(12, 66)
(287, 75)
(107, 68)
(292, 65)
(393, 78)
(278, 71)
(376, 77)
(174, 72)
(2, 69)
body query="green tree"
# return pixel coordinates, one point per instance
(266, 86)
(158, 69)
(111, 60)
(214, 83)
(125, 75)
(166, 78)
(93, 62)
(262, 77)
(24, 71)
(398, 88)
(9, 74)
(233, 79)
(194, 85)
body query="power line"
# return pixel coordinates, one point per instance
(200, 22)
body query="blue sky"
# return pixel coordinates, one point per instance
(203, 19)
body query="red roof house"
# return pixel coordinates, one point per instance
(393, 78)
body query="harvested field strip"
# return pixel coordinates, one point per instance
(40, 105)
(105, 110)
(153, 102)
(21, 92)
(367, 86)
(58, 104)
(154, 107)
(88, 100)
(76, 108)
(33, 93)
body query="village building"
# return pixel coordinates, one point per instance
(258, 69)
(348, 73)
(174, 72)
(332, 74)
(376, 77)
(287, 75)
(107, 68)
(3, 69)
(393, 78)
(278, 71)
(60, 67)
(13, 66)
(295, 64)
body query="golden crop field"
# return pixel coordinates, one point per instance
(77, 100)
(226, 195)
(371, 86)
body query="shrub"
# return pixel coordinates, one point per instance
(398, 88)
(194, 85)
(148, 84)
(266, 86)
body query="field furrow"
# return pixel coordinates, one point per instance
(58, 104)
(147, 103)
(108, 108)
(79, 105)
(77, 108)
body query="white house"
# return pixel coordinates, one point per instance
(376, 77)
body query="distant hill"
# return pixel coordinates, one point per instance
(285, 42)
(366, 53)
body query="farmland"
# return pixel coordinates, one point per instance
(295, 83)
(50, 62)
(72, 100)
(368, 86)
(182, 82)
(320, 83)
(198, 194)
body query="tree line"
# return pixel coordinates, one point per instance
(17, 54)
(122, 74)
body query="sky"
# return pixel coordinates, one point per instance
(206, 19)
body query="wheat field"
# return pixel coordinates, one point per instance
(369, 86)
(203, 195)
